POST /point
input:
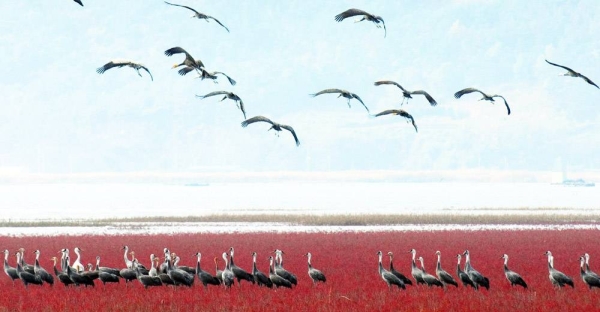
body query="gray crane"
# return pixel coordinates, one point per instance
(199, 15)
(399, 275)
(204, 277)
(26, 267)
(228, 95)
(227, 275)
(388, 277)
(259, 277)
(10, 271)
(275, 278)
(189, 61)
(179, 277)
(240, 274)
(62, 276)
(122, 63)
(275, 126)
(187, 269)
(39, 271)
(279, 270)
(485, 97)
(513, 277)
(401, 113)
(429, 279)
(365, 17)
(464, 277)
(416, 273)
(557, 278)
(315, 275)
(588, 279)
(343, 93)
(77, 278)
(442, 275)
(26, 277)
(574, 74)
(210, 75)
(407, 94)
(477, 278)
(587, 265)
(99, 268)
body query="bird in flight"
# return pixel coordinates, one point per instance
(199, 15)
(228, 95)
(366, 16)
(344, 93)
(211, 75)
(573, 73)
(399, 112)
(79, 1)
(121, 63)
(275, 126)
(485, 96)
(189, 61)
(407, 94)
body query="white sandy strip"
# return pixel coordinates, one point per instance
(128, 228)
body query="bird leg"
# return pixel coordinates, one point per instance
(349, 103)
(223, 99)
(138, 72)
(360, 20)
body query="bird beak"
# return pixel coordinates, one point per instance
(175, 66)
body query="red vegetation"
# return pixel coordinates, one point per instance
(348, 260)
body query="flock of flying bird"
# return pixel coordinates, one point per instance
(196, 65)
(169, 272)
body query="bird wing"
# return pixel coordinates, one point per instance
(406, 115)
(500, 96)
(183, 6)
(361, 102)
(185, 70)
(467, 91)
(231, 81)
(254, 119)
(387, 112)
(328, 91)
(212, 94)
(384, 29)
(427, 96)
(216, 20)
(79, 1)
(242, 108)
(177, 50)
(563, 67)
(290, 129)
(111, 64)
(389, 82)
(138, 66)
(588, 80)
(350, 12)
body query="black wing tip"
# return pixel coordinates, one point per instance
(245, 123)
(100, 70)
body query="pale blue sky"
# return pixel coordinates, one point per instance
(58, 115)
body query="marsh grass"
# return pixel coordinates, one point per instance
(331, 220)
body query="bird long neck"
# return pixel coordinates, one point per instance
(198, 264)
(458, 270)
(414, 263)
(309, 265)
(6, 266)
(550, 262)
(254, 269)
(271, 264)
(439, 262)
(22, 257)
(587, 263)
(226, 262)
(231, 258)
(37, 256)
(581, 266)
(127, 262)
(422, 265)
(380, 264)
(78, 255)
(467, 262)
(56, 272)
(19, 267)
(505, 264)
(97, 264)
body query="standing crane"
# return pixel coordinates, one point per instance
(416, 273)
(199, 15)
(204, 277)
(387, 276)
(485, 97)
(276, 279)
(10, 271)
(442, 275)
(429, 279)
(62, 276)
(574, 74)
(281, 271)
(227, 275)
(259, 277)
(477, 278)
(315, 275)
(26, 277)
(588, 279)
(39, 271)
(275, 126)
(407, 94)
(557, 278)
(343, 93)
(240, 274)
(399, 275)
(365, 17)
(513, 277)
(464, 277)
